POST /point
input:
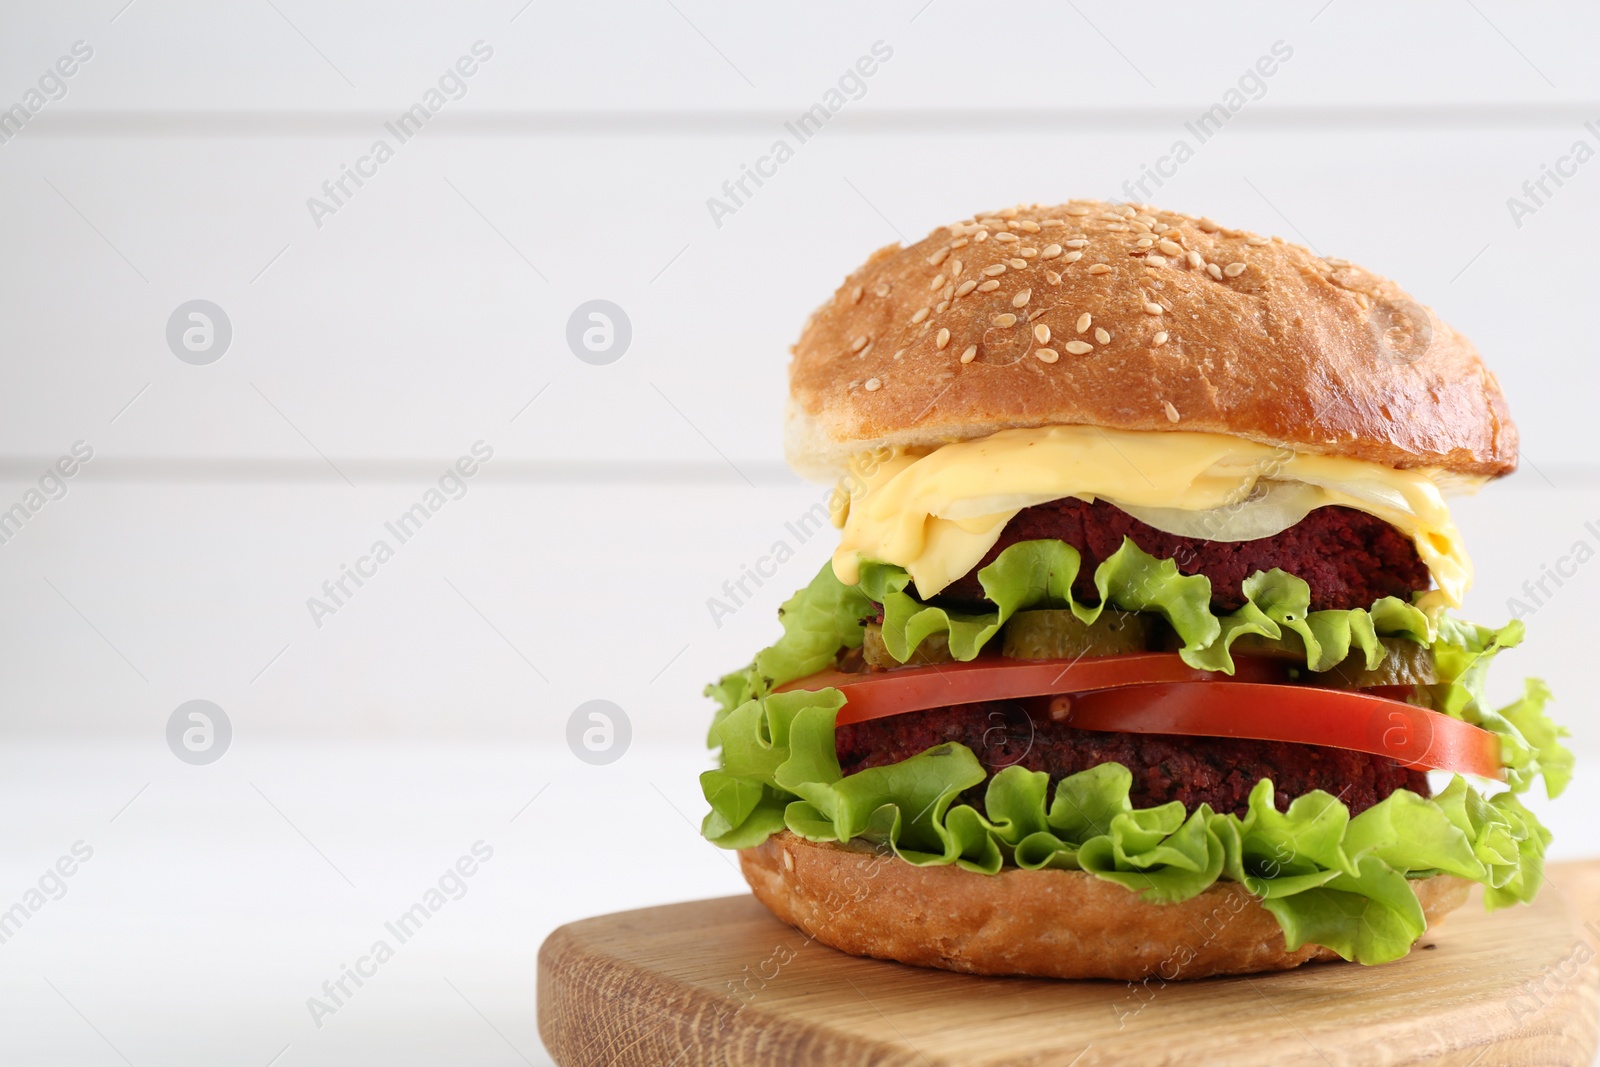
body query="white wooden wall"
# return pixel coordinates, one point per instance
(368, 353)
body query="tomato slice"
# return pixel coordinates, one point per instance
(882, 693)
(1338, 718)
(1156, 692)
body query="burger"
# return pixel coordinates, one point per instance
(1139, 652)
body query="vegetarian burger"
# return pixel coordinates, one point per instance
(1137, 655)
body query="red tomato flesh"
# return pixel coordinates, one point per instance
(1156, 692)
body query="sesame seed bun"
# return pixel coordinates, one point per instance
(1048, 923)
(1088, 313)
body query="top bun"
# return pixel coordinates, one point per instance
(1206, 329)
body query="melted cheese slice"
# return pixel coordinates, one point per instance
(937, 513)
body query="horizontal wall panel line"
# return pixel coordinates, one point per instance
(112, 123)
(372, 471)
(245, 469)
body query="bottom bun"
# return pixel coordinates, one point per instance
(1049, 923)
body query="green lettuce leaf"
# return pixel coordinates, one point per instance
(1036, 574)
(1370, 917)
(818, 622)
(1530, 746)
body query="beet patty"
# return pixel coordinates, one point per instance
(1349, 558)
(1192, 770)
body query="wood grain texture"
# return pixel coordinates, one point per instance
(720, 982)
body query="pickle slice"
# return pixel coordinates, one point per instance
(1057, 633)
(935, 648)
(1404, 663)
(1289, 646)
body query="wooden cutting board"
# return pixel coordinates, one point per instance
(721, 982)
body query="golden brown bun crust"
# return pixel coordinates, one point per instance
(1262, 339)
(1049, 923)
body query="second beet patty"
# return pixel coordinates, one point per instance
(1193, 770)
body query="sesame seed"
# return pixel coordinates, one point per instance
(900, 353)
(966, 287)
(1233, 270)
(1256, 239)
(1027, 253)
(1041, 333)
(1145, 242)
(1079, 348)
(1170, 248)
(998, 224)
(1052, 277)
(970, 354)
(1017, 264)
(1148, 220)
(1021, 299)
(1160, 338)
(1214, 270)
(959, 242)
(1052, 223)
(873, 385)
(937, 282)
(956, 267)
(881, 290)
(1072, 257)
(1195, 259)
(940, 307)
(1153, 308)
(1207, 226)
(1078, 242)
(855, 295)
(1101, 335)
(1172, 412)
(1117, 227)
(994, 268)
(859, 343)
(1155, 261)
(942, 338)
(1005, 237)
(1028, 227)
(1127, 212)
(1047, 355)
(1099, 268)
(1361, 298)
(1007, 319)
(980, 237)
(938, 257)
(1007, 213)
(1077, 210)
(1140, 227)
(1050, 251)
(919, 315)
(1084, 320)
(989, 286)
